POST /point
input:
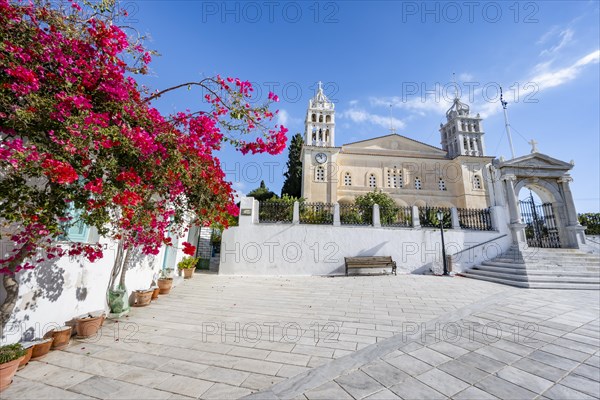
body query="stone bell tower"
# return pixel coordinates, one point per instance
(462, 134)
(320, 121)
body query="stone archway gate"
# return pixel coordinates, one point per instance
(550, 180)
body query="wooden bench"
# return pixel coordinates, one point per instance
(370, 262)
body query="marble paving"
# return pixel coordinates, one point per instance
(406, 336)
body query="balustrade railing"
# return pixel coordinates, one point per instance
(475, 219)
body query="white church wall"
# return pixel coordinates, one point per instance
(298, 249)
(54, 293)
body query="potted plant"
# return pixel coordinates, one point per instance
(88, 325)
(41, 348)
(165, 283)
(28, 346)
(187, 266)
(143, 297)
(10, 357)
(117, 300)
(61, 336)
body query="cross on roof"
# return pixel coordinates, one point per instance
(533, 144)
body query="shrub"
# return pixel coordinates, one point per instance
(11, 352)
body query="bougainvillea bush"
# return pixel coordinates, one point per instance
(80, 141)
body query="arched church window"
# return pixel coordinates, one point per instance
(327, 135)
(328, 118)
(476, 127)
(476, 182)
(347, 179)
(394, 178)
(462, 126)
(441, 184)
(372, 181)
(320, 174)
(314, 118)
(418, 184)
(320, 118)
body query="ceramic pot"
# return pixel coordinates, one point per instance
(41, 349)
(188, 273)
(88, 326)
(143, 297)
(27, 356)
(155, 293)
(7, 372)
(62, 337)
(165, 285)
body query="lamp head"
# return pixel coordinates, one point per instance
(440, 215)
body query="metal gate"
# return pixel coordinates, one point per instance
(541, 230)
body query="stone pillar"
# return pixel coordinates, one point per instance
(376, 218)
(416, 222)
(454, 215)
(516, 227)
(513, 207)
(246, 211)
(296, 213)
(336, 215)
(575, 231)
(255, 211)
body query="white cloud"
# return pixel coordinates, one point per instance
(283, 117)
(359, 115)
(564, 38)
(465, 77)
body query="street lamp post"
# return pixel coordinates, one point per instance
(440, 216)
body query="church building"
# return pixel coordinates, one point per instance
(411, 172)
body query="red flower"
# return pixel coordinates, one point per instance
(189, 249)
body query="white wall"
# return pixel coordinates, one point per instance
(298, 249)
(54, 293)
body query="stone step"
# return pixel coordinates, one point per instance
(544, 261)
(573, 267)
(539, 276)
(534, 285)
(525, 271)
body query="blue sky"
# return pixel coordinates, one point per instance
(372, 54)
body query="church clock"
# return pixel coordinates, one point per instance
(321, 158)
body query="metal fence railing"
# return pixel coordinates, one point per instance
(396, 216)
(352, 214)
(475, 219)
(428, 217)
(316, 213)
(275, 211)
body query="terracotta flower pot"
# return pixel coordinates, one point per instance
(188, 273)
(155, 293)
(7, 372)
(26, 357)
(41, 349)
(143, 297)
(62, 337)
(88, 326)
(165, 285)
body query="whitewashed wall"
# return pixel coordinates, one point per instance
(54, 293)
(299, 249)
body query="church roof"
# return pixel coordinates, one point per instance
(396, 143)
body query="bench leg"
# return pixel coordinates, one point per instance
(394, 268)
(346, 269)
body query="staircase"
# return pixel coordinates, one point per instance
(538, 268)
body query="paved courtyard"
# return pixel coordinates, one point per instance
(376, 337)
